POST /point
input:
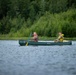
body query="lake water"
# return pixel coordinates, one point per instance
(36, 60)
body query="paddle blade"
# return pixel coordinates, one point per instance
(27, 44)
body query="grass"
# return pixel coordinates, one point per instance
(6, 37)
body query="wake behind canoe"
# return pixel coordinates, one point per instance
(43, 43)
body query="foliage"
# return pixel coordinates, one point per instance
(46, 17)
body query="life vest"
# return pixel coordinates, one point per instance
(61, 38)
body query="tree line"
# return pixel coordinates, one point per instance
(19, 17)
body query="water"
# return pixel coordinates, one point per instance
(37, 60)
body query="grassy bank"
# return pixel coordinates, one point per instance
(5, 37)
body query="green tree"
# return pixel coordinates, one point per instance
(4, 7)
(57, 6)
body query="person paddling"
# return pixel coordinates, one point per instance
(60, 37)
(35, 37)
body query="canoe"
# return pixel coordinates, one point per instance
(43, 43)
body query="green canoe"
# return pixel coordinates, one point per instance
(43, 43)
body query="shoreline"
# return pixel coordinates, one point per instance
(40, 38)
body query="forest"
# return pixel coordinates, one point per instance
(19, 18)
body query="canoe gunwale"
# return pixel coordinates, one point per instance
(43, 43)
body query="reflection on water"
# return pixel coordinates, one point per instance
(37, 60)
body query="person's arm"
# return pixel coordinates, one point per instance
(59, 37)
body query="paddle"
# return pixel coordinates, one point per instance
(28, 39)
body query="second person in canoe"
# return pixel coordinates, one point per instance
(60, 37)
